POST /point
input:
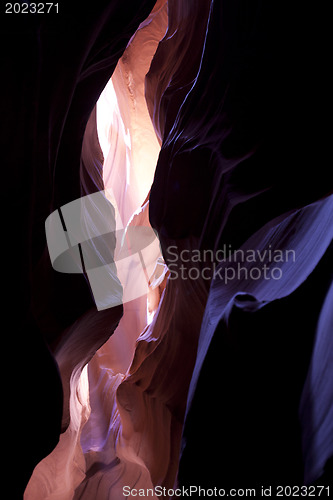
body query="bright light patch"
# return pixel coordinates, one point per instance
(106, 108)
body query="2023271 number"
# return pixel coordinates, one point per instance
(32, 8)
(302, 491)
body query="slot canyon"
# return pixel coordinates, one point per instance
(170, 294)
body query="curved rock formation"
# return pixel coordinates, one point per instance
(179, 196)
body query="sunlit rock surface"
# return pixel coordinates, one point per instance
(216, 370)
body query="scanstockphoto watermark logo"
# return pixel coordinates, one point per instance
(227, 264)
(83, 237)
(185, 492)
(215, 492)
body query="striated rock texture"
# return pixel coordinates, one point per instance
(56, 66)
(216, 370)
